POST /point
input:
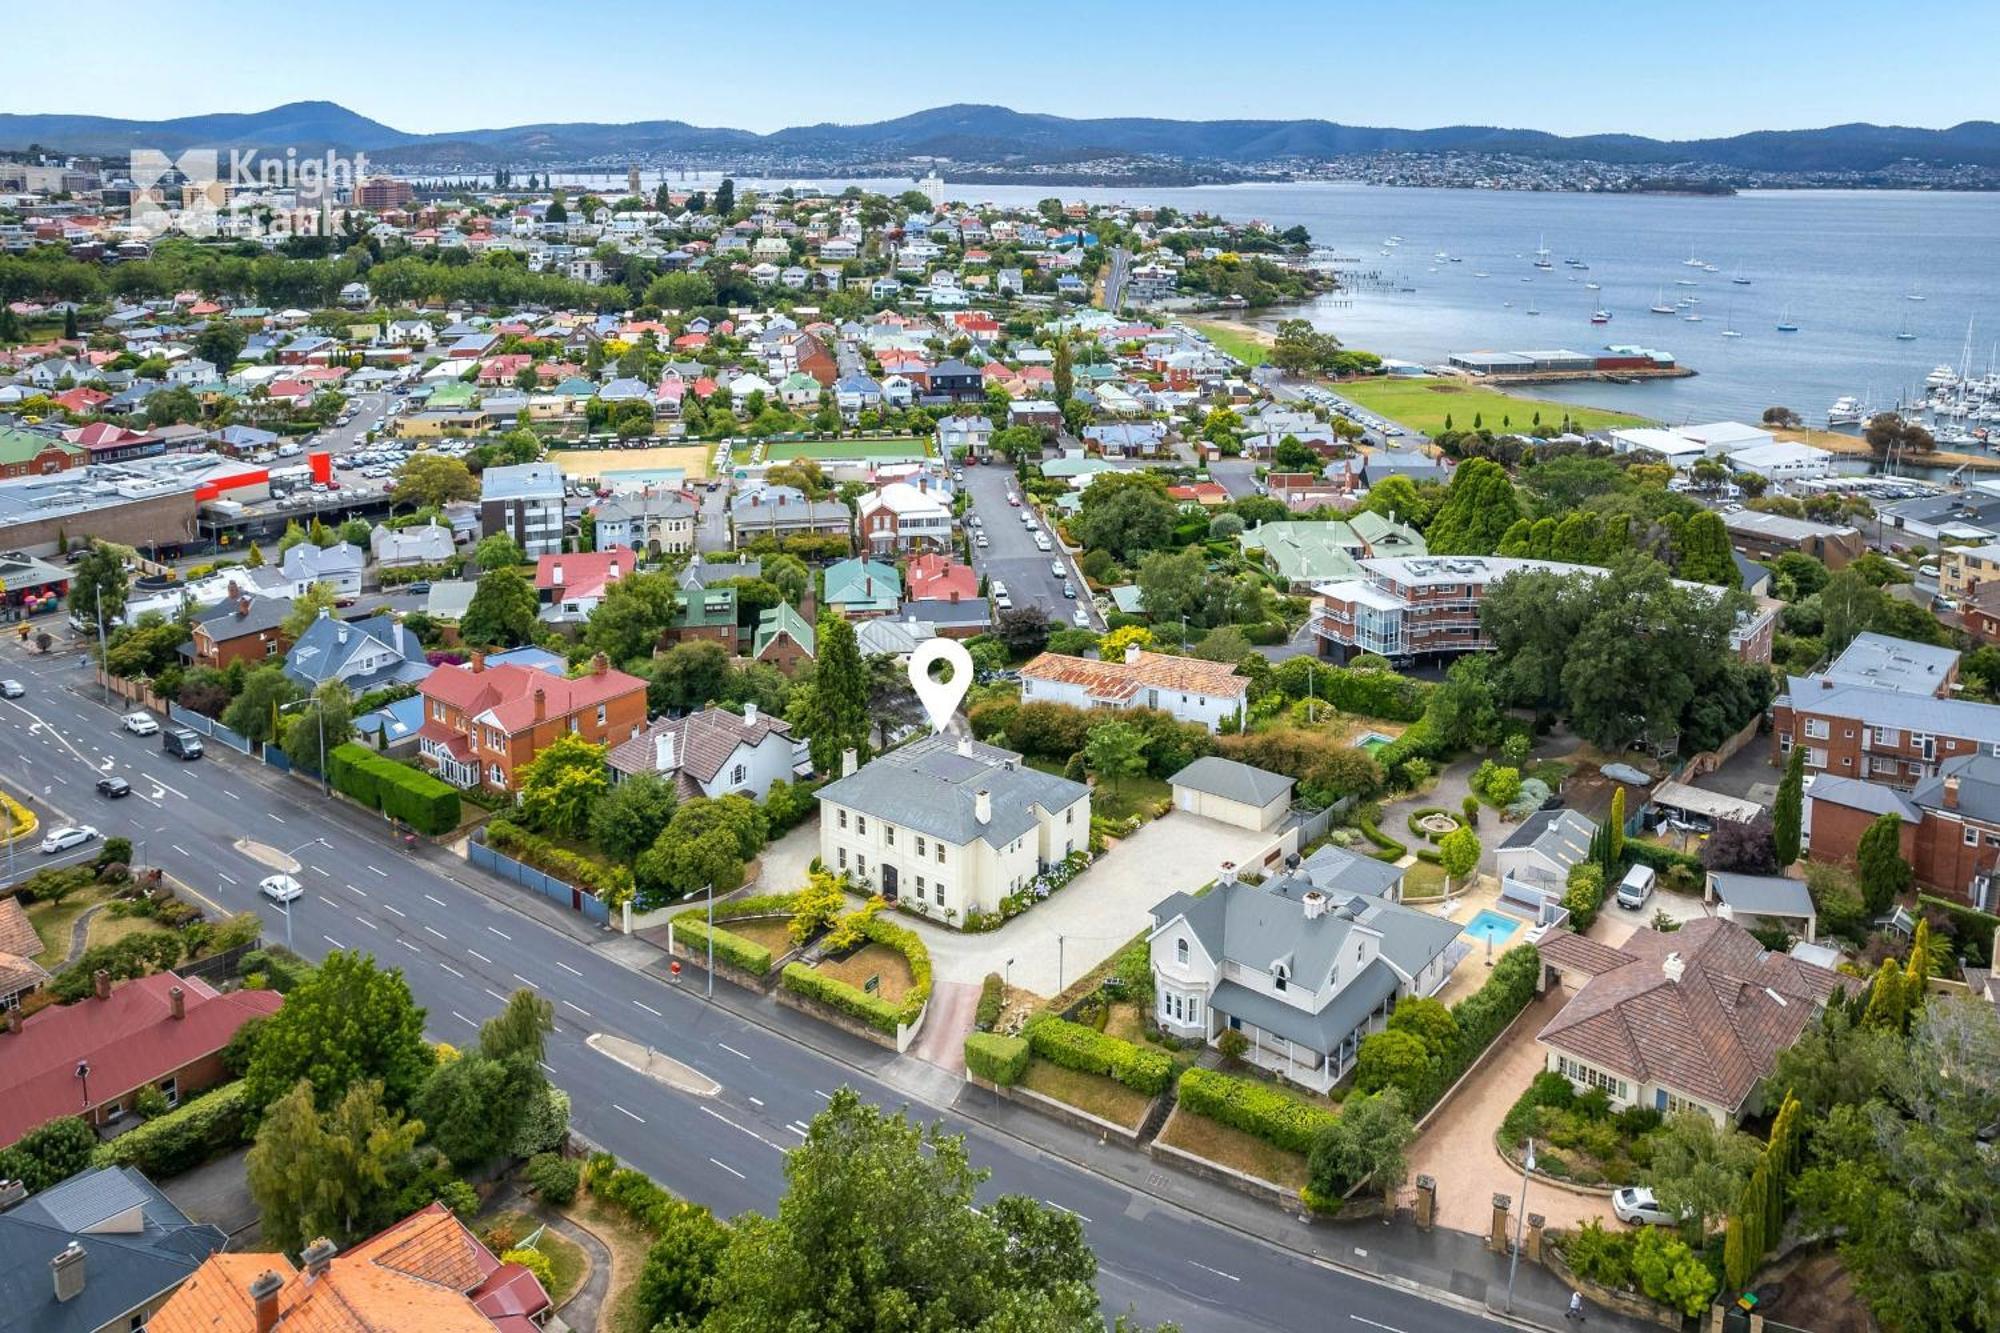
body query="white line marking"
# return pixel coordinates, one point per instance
(567, 968)
(177, 847)
(827, 1095)
(797, 1128)
(224, 878)
(439, 901)
(435, 931)
(411, 947)
(730, 1169)
(1217, 1271)
(397, 910)
(496, 995)
(334, 942)
(756, 1101)
(732, 1050)
(546, 1065)
(231, 795)
(710, 1111)
(525, 982)
(579, 1008)
(649, 1009)
(322, 870)
(269, 815)
(1071, 1211)
(480, 956)
(462, 1018)
(351, 889)
(616, 1107)
(454, 971)
(383, 873)
(501, 933)
(366, 922)
(1372, 1324)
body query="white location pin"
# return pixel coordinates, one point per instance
(940, 697)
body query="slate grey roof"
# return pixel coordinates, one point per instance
(324, 652)
(1859, 795)
(1978, 787)
(1333, 866)
(1877, 707)
(699, 571)
(1563, 836)
(1762, 895)
(224, 622)
(1232, 781)
(929, 787)
(123, 1269)
(1323, 1031)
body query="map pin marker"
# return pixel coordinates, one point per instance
(940, 697)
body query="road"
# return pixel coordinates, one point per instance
(220, 823)
(1013, 558)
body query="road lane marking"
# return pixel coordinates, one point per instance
(1071, 1211)
(827, 1095)
(231, 795)
(730, 1169)
(546, 1065)
(366, 922)
(711, 1111)
(1206, 1269)
(1372, 1324)
(756, 1101)
(525, 982)
(567, 968)
(269, 815)
(641, 1119)
(463, 1019)
(480, 956)
(579, 1008)
(322, 870)
(732, 1050)
(496, 994)
(177, 847)
(397, 910)
(383, 873)
(224, 878)
(439, 901)
(435, 931)
(334, 942)
(649, 1009)
(351, 889)
(454, 971)
(797, 1128)
(501, 933)
(407, 945)
(323, 898)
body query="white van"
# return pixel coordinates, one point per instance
(1636, 887)
(998, 592)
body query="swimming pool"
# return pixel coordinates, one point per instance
(1373, 742)
(1490, 926)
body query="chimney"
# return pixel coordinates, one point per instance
(67, 1268)
(1132, 654)
(1315, 904)
(599, 664)
(982, 806)
(1951, 791)
(848, 762)
(340, 635)
(478, 660)
(541, 703)
(11, 1193)
(663, 752)
(611, 573)
(100, 983)
(242, 605)
(965, 746)
(1226, 873)
(176, 1002)
(749, 715)
(264, 1299)
(1673, 967)
(317, 1258)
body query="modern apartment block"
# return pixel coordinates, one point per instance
(526, 503)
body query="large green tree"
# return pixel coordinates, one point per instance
(831, 710)
(1478, 509)
(350, 1021)
(1173, 584)
(98, 585)
(429, 480)
(1115, 750)
(254, 710)
(632, 815)
(1698, 1170)
(1788, 817)
(1368, 1141)
(1125, 513)
(320, 727)
(342, 1173)
(635, 611)
(502, 611)
(1705, 555)
(562, 784)
(1885, 875)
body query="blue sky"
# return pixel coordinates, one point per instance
(1697, 67)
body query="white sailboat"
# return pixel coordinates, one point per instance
(1660, 306)
(1542, 254)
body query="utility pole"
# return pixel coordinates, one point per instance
(1520, 1224)
(103, 672)
(709, 991)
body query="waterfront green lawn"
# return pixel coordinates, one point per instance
(1233, 341)
(1423, 404)
(904, 447)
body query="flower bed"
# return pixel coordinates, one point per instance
(1012, 905)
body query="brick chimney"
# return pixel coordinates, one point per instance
(599, 664)
(100, 984)
(11, 1193)
(264, 1300)
(1951, 791)
(478, 660)
(176, 1002)
(541, 703)
(67, 1269)
(1673, 967)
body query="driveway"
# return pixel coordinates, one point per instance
(1457, 1150)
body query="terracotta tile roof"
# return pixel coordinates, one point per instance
(939, 577)
(129, 1039)
(17, 933)
(505, 695)
(1714, 1031)
(1572, 952)
(426, 1272)
(584, 573)
(1115, 682)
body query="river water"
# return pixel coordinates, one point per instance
(1842, 265)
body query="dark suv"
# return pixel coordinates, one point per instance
(181, 743)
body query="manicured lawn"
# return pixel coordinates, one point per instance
(1104, 1098)
(1423, 404)
(1423, 880)
(774, 933)
(565, 1256)
(1234, 342)
(1233, 1148)
(107, 929)
(874, 960)
(906, 447)
(1129, 796)
(52, 921)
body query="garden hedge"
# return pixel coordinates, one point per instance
(992, 999)
(607, 881)
(731, 949)
(877, 1013)
(1255, 1108)
(1390, 848)
(425, 803)
(1971, 928)
(1074, 1046)
(997, 1059)
(1664, 859)
(194, 1132)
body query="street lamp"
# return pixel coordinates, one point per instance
(1520, 1224)
(292, 856)
(319, 713)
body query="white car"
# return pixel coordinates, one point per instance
(1080, 618)
(982, 542)
(280, 888)
(1637, 1205)
(12, 689)
(141, 724)
(1055, 568)
(66, 837)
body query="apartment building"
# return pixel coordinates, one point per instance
(1896, 738)
(526, 503)
(1962, 569)
(1950, 825)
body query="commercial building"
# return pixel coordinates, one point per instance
(1763, 536)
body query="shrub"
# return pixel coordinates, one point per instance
(1469, 808)
(553, 1177)
(997, 1059)
(49, 1154)
(1665, 860)
(197, 1130)
(535, 1262)
(872, 1010)
(992, 999)
(606, 881)
(150, 1102)
(1255, 1108)
(1074, 1046)
(1232, 1044)
(425, 803)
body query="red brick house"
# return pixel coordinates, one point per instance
(1950, 823)
(1878, 734)
(483, 724)
(940, 578)
(241, 629)
(91, 1058)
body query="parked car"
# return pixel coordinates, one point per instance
(1080, 618)
(1069, 591)
(1055, 568)
(1636, 1204)
(12, 689)
(66, 837)
(1636, 888)
(1013, 499)
(280, 888)
(181, 743)
(113, 787)
(140, 724)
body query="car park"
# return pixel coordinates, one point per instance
(113, 787)
(12, 689)
(280, 888)
(66, 837)
(140, 724)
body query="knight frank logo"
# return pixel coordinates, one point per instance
(202, 193)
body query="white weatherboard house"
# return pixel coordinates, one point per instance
(1304, 965)
(953, 825)
(713, 752)
(1534, 862)
(1190, 689)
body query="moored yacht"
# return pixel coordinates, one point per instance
(1846, 411)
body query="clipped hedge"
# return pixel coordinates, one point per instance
(194, 1132)
(997, 1059)
(425, 803)
(734, 950)
(1255, 1108)
(606, 881)
(1971, 928)
(1074, 1046)
(992, 999)
(1390, 848)
(872, 1010)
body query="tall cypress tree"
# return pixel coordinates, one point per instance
(834, 712)
(1788, 819)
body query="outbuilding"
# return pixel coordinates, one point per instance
(1232, 793)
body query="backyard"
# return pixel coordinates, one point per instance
(1122, 798)
(503, 1231)
(1423, 405)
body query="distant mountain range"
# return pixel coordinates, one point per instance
(993, 134)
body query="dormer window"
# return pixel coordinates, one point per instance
(1279, 975)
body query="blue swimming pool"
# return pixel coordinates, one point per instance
(1491, 927)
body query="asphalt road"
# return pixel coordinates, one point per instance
(221, 823)
(1013, 558)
